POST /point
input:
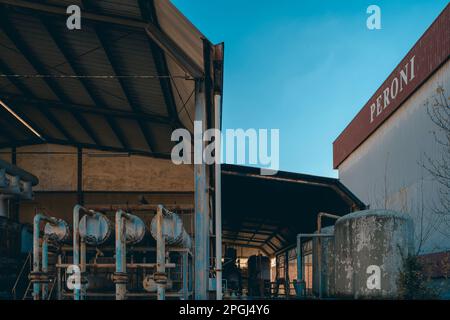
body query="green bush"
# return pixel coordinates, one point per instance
(412, 282)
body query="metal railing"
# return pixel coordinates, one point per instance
(19, 277)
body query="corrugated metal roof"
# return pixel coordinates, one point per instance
(130, 109)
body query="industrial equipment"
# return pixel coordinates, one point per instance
(232, 273)
(96, 267)
(259, 276)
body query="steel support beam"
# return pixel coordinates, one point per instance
(72, 107)
(201, 200)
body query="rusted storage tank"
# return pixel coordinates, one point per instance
(327, 258)
(367, 244)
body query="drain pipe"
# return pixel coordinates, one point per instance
(37, 277)
(319, 245)
(300, 285)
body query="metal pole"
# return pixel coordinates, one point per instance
(120, 275)
(83, 267)
(36, 257)
(59, 278)
(36, 276)
(45, 266)
(218, 194)
(160, 254)
(299, 263)
(76, 250)
(201, 200)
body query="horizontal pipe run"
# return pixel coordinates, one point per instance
(113, 265)
(149, 249)
(139, 207)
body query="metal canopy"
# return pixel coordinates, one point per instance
(267, 212)
(119, 84)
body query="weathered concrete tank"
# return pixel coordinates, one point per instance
(369, 250)
(327, 264)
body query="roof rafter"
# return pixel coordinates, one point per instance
(148, 13)
(88, 109)
(87, 85)
(103, 38)
(26, 51)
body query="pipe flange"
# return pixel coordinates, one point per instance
(160, 277)
(120, 277)
(39, 277)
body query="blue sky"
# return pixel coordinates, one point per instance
(306, 67)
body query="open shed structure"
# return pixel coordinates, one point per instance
(90, 112)
(133, 73)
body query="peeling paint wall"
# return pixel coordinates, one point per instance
(386, 171)
(377, 238)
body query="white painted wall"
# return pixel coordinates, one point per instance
(386, 172)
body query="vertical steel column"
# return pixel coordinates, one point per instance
(218, 195)
(160, 254)
(201, 197)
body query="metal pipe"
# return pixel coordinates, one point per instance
(319, 245)
(121, 268)
(218, 195)
(83, 267)
(36, 258)
(76, 251)
(76, 245)
(45, 266)
(59, 277)
(300, 285)
(38, 218)
(113, 265)
(160, 254)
